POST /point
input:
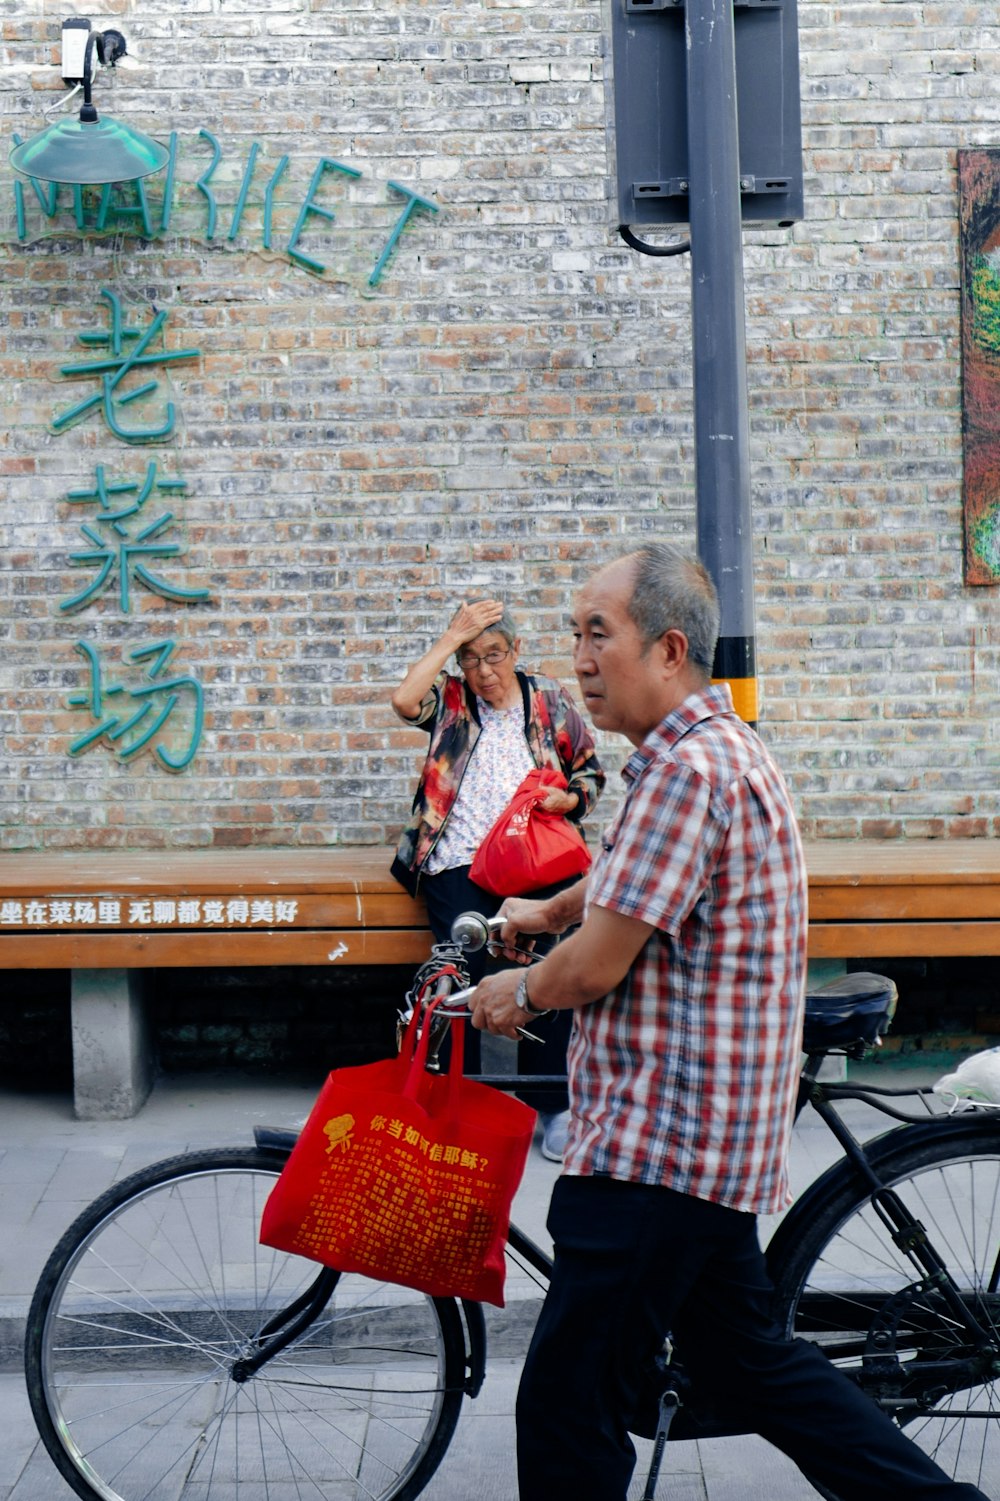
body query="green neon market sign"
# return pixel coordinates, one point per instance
(131, 202)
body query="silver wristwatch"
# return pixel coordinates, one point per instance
(523, 1001)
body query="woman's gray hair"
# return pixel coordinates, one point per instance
(675, 592)
(504, 627)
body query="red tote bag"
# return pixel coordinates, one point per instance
(405, 1176)
(527, 849)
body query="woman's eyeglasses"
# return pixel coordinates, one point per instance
(468, 661)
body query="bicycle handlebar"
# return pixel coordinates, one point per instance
(456, 1004)
(471, 931)
(436, 976)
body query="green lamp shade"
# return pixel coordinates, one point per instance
(89, 151)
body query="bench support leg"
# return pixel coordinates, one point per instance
(112, 1046)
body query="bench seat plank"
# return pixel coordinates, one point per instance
(872, 862)
(207, 948)
(904, 881)
(360, 871)
(903, 940)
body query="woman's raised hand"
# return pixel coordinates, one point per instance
(469, 621)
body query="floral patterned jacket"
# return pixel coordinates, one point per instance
(556, 736)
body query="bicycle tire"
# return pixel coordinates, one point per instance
(835, 1267)
(151, 1295)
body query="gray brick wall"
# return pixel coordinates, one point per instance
(510, 404)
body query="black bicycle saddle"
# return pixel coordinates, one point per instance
(849, 1014)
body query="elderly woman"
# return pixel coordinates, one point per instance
(487, 729)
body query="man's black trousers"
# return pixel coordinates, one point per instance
(632, 1262)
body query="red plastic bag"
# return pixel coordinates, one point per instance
(527, 849)
(405, 1176)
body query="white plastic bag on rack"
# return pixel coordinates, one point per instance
(977, 1080)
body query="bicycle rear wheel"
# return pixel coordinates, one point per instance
(160, 1287)
(843, 1282)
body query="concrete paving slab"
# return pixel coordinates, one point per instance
(26, 1472)
(481, 1459)
(30, 1167)
(749, 1469)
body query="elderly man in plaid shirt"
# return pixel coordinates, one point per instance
(687, 982)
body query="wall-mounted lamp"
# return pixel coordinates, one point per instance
(88, 149)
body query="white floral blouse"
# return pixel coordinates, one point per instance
(500, 761)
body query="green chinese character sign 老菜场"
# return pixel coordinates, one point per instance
(150, 705)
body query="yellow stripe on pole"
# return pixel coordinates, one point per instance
(744, 691)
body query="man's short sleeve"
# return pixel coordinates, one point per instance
(657, 856)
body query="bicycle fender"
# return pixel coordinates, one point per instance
(880, 1151)
(475, 1355)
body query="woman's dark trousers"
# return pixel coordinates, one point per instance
(446, 896)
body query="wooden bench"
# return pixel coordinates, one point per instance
(109, 916)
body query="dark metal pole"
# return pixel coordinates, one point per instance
(722, 457)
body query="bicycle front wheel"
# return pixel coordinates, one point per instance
(157, 1291)
(844, 1283)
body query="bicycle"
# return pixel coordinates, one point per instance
(169, 1354)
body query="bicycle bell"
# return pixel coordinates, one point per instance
(471, 931)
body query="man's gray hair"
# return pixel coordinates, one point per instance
(675, 592)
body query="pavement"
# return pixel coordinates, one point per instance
(52, 1165)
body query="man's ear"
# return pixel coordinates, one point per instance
(673, 645)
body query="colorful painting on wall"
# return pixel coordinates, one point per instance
(979, 208)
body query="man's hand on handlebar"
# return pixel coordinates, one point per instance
(523, 921)
(494, 1008)
(525, 917)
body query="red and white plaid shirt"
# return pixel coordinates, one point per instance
(685, 1075)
